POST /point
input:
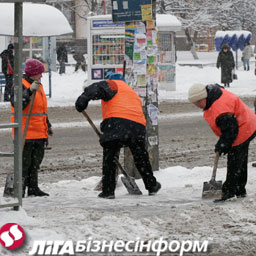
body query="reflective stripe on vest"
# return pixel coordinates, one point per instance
(125, 104)
(38, 128)
(34, 114)
(229, 103)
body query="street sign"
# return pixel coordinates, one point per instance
(131, 10)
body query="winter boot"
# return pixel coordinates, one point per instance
(224, 197)
(36, 192)
(155, 189)
(33, 189)
(106, 196)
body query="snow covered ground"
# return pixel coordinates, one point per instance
(73, 211)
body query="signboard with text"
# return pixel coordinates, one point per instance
(131, 10)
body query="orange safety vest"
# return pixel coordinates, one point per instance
(125, 104)
(229, 103)
(37, 128)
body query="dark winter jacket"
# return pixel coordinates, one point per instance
(7, 53)
(226, 62)
(79, 58)
(112, 128)
(226, 122)
(62, 54)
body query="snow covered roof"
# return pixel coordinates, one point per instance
(167, 22)
(164, 22)
(38, 20)
(235, 39)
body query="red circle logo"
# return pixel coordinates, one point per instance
(12, 236)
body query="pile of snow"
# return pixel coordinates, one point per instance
(177, 212)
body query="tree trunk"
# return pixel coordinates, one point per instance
(191, 43)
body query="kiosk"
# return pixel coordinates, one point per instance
(105, 46)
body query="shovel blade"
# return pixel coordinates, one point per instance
(131, 186)
(212, 189)
(8, 189)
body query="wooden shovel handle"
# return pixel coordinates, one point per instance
(215, 166)
(91, 123)
(28, 118)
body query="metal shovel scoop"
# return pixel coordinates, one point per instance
(213, 188)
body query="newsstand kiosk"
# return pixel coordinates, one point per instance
(105, 47)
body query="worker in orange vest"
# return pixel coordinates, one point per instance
(235, 125)
(39, 126)
(123, 124)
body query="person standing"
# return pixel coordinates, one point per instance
(39, 126)
(62, 57)
(80, 60)
(8, 70)
(226, 62)
(246, 55)
(123, 124)
(235, 125)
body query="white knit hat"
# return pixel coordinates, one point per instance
(197, 92)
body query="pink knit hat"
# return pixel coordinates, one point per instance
(33, 67)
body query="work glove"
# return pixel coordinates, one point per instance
(81, 103)
(35, 86)
(50, 131)
(222, 148)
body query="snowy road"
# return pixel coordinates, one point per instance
(73, 210)
(185, 140)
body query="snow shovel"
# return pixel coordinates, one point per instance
(9, 184)
(212, 189)
(128, 181)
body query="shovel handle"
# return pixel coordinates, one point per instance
(91, 123)
(217, 156)
(28, 118)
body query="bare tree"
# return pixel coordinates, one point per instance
(81, 8)
(193, 15)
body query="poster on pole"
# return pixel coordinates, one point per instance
(131, 10)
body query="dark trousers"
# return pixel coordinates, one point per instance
(141, 160)
(62, 67)
(32, 157)
(8, 87)
(78, 65)
(237, 170)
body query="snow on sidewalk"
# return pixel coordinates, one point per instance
(73, 211)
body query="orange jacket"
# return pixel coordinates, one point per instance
(229, 103)
(125, 104)
(37, 128)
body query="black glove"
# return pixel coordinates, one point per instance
(221, 147)
(81, 103)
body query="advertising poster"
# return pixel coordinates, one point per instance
(119, 71)
(108, 71)
(130, 30)
(146, 12)
(97, 73)
(166, 73)
(131, 10)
